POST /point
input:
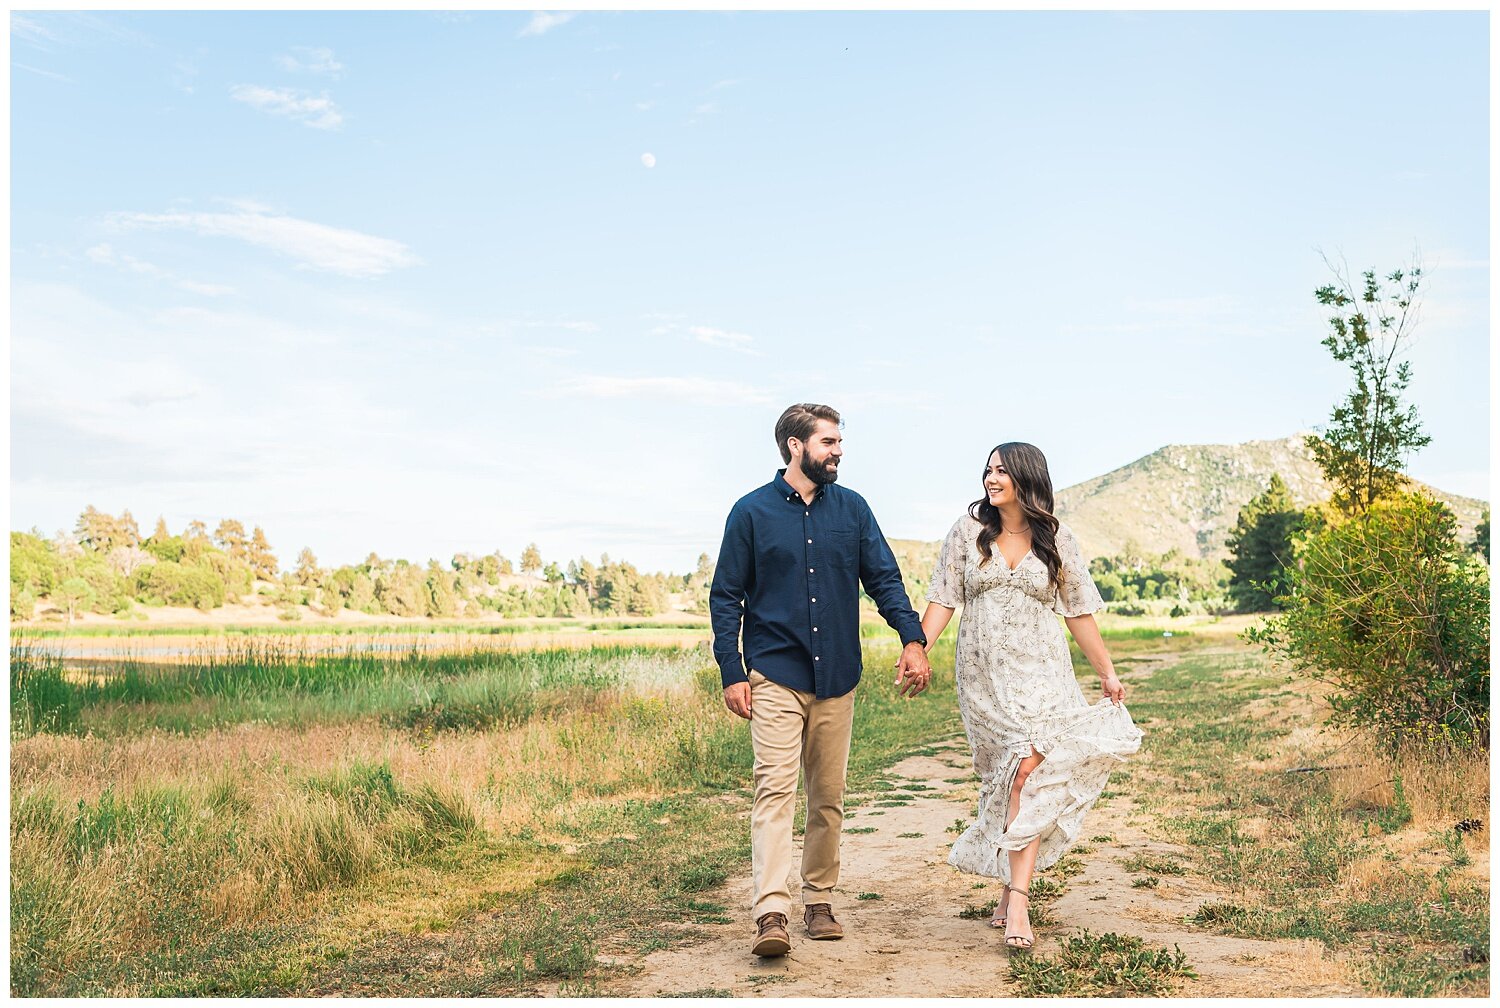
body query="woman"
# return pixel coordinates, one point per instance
(1041, 751)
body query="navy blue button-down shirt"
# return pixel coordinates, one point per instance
(791, 572)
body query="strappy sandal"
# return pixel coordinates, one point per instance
(1013, 941)
(998, 920)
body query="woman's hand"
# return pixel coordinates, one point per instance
(1112, 687)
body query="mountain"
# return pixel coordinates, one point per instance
(1188, 497)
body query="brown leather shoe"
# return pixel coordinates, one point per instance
(771, 938)
(820, 923)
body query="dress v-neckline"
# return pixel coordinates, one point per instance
(1019, 562)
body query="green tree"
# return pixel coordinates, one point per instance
(101, 532)
(262, 559)
(330, 599)
(552, 573)
(1365, 447)
(73, 594)
(1481, 543)
(531, 559)
(35, 565)
(1389, 610)
(1260, 545)
(230, 537)
(403, 590)
(441, 598)
(307, 573)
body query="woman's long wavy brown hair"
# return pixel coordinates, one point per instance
(1027, 467)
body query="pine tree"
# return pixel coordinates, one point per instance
(1261, 547)
(230, 537)
(531, 559)
(307, 573)
(262, 560)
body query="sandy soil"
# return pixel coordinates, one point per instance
(912, 943)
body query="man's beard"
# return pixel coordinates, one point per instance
(823, 474)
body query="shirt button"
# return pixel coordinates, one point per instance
(809, 541)
(816, 658)
(815, 600)
(815, 629)
(809, 570)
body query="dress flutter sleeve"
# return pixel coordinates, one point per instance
(947, 585)
(1077, 595)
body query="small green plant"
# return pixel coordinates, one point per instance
(869, 896)
(1398, 814)
(1453, 843)
(1102, 838)
(1152, 865)
(1146, 882)
(958, 826)
(860, 829)
(1107, 965)
(972, 912)
(908, 836)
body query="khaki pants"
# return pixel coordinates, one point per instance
(791, 730)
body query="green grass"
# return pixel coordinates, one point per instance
(267, 682)
(1299, 857)
(517, 626)
(1107, 965)
(624, 897)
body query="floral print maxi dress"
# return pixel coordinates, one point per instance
(1016, 691)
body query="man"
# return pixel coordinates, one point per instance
(794, 555)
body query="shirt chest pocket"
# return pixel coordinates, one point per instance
(842, 551)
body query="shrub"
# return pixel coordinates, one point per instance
(1391, 611)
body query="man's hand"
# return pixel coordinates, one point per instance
(737, 698)
(912, 670)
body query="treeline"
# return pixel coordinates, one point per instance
(105, 566)
(1193, 583)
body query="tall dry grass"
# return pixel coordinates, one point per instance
(128, 844)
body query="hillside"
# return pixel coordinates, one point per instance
(1188, 496)
(1185, 497)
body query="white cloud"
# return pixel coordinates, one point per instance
(317, 111)
(720, 337)
(648, 159)
(44, 73)
(105, 255)
(707, 335)
(695, 390)
(310, 59)
(545, 21)
(313, 245)
(26, 29)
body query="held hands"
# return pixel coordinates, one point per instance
(1112, 687)
(912, 670)
(737, 698)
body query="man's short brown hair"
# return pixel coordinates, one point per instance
(799, 421)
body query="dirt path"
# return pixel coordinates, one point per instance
(911, 942)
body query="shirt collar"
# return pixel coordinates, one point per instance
(785, 489)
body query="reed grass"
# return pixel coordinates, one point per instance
(509, 626)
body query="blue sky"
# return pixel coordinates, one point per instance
(427, 283)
